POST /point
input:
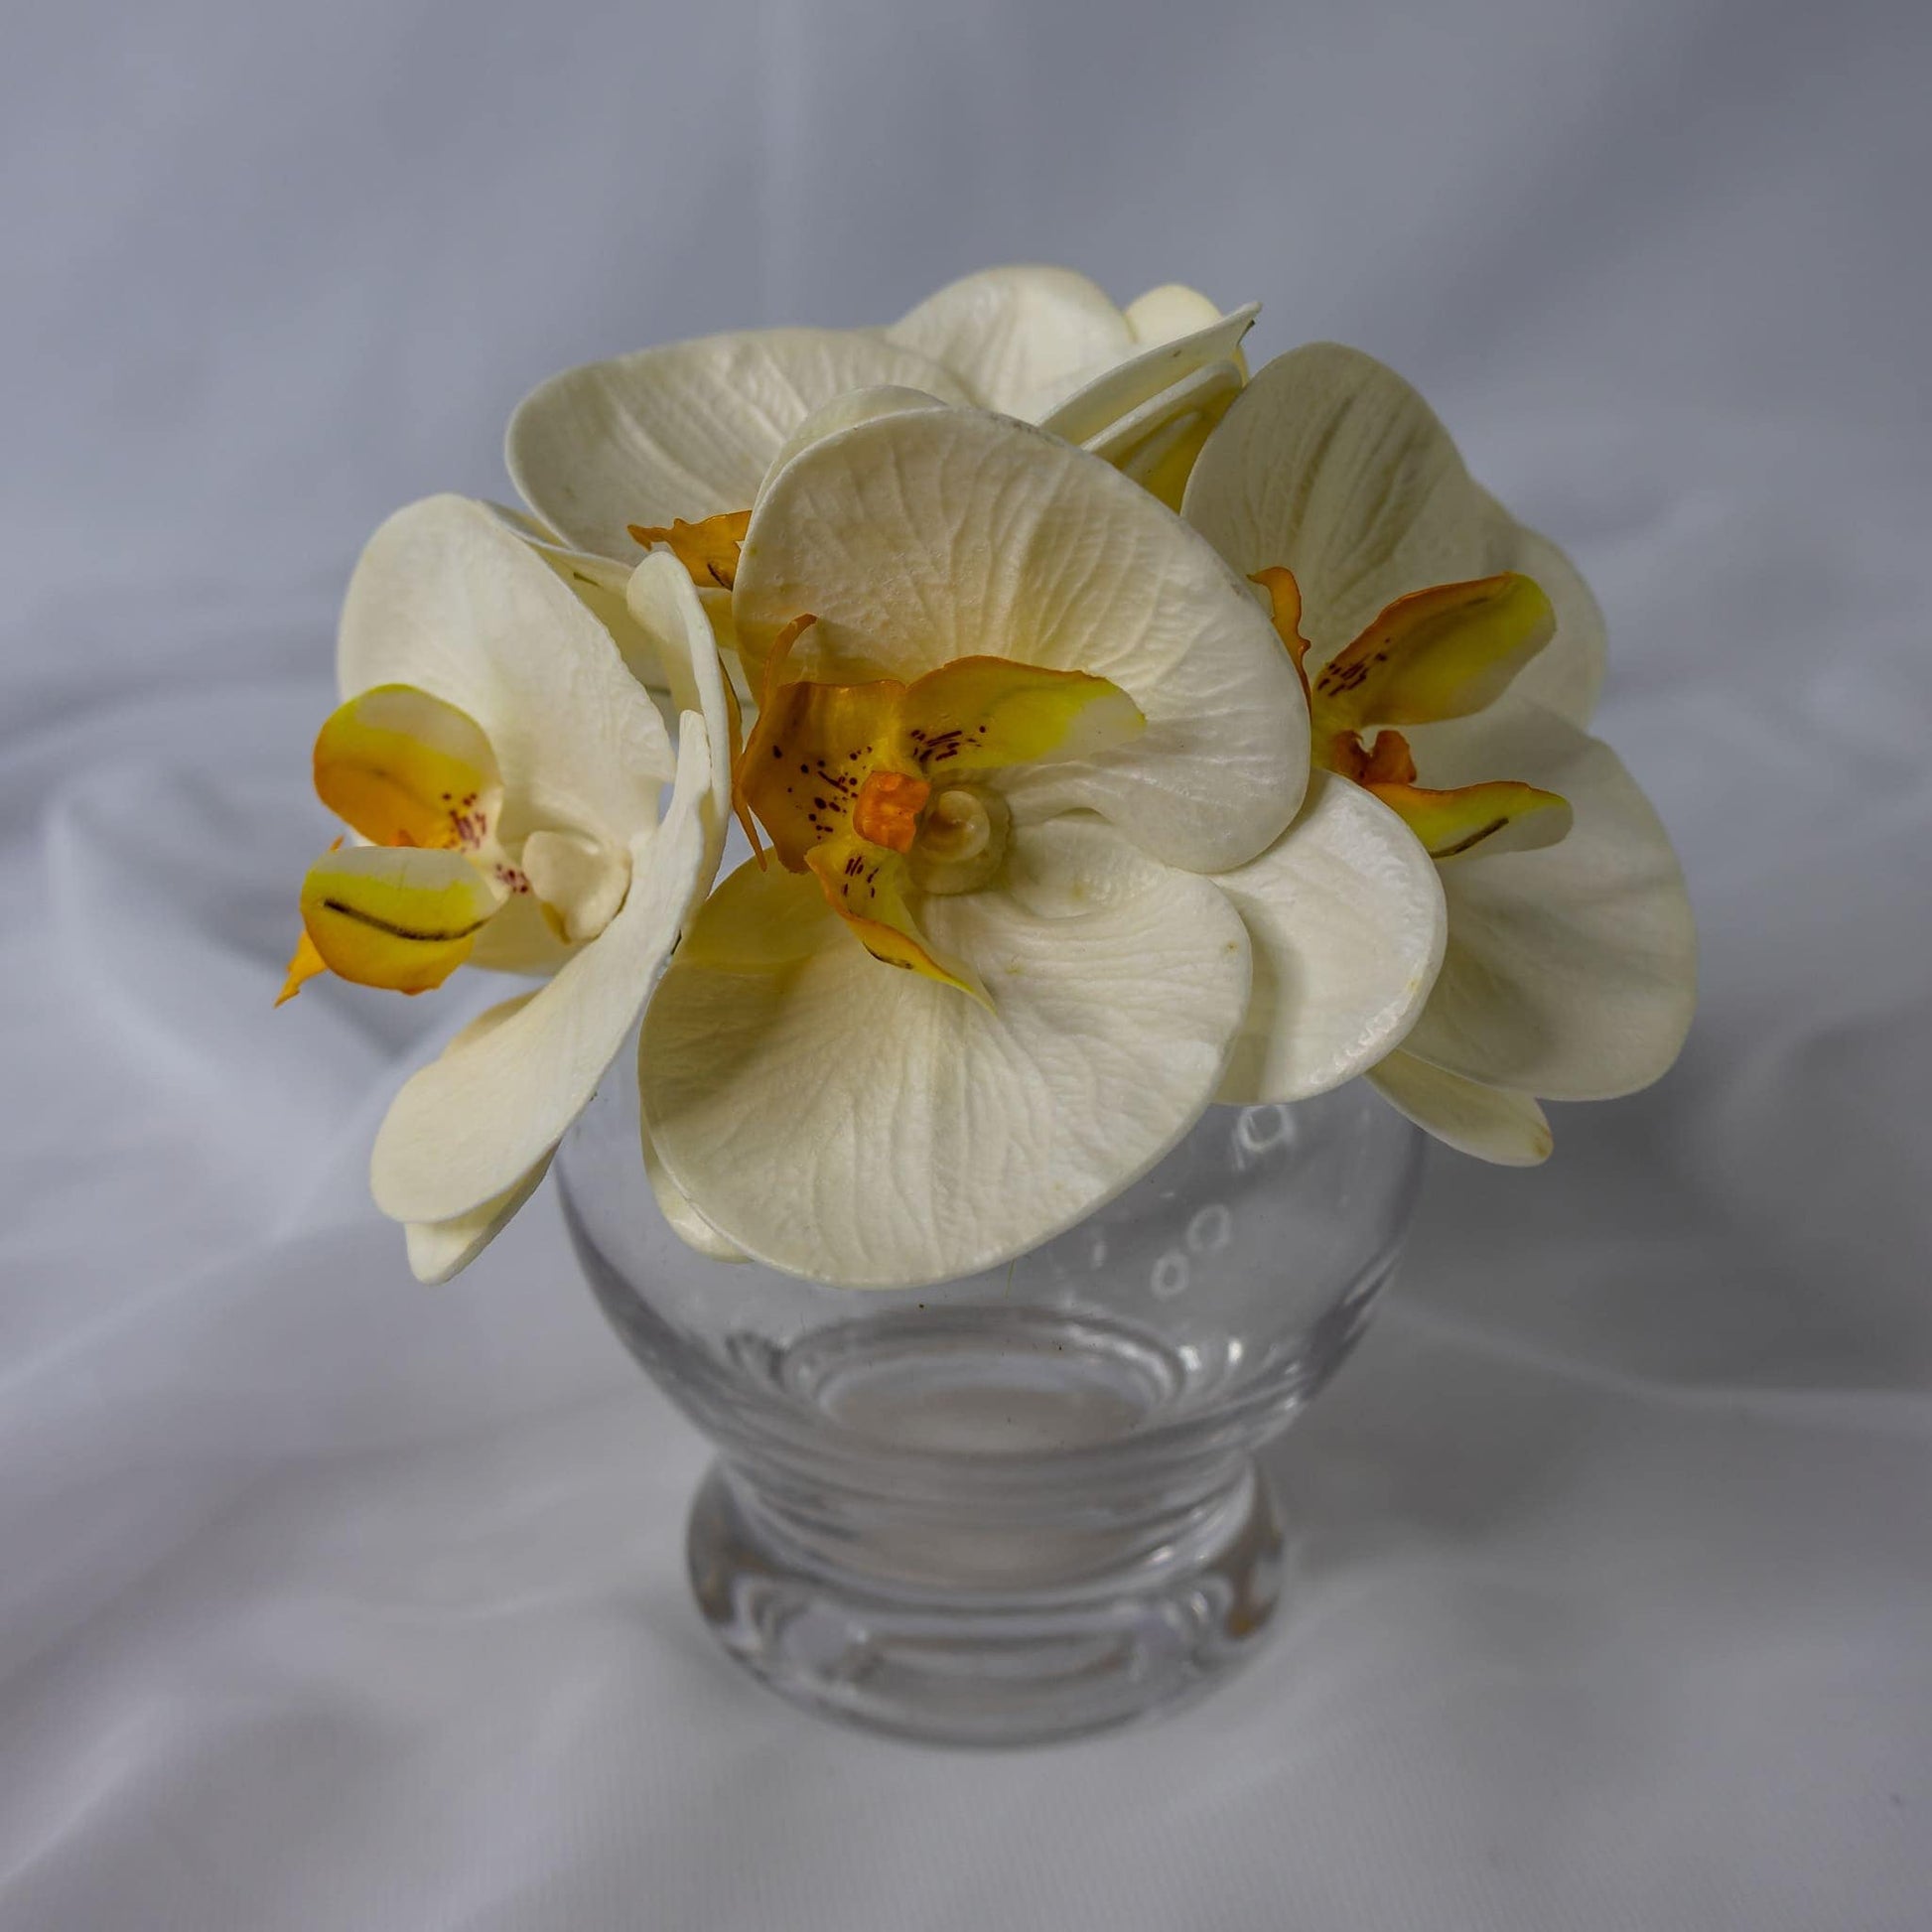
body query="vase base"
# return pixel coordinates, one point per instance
(1006, 1668)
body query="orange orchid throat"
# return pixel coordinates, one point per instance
(708, 550)
(1436, 655)
(889, 792)
(888, 808)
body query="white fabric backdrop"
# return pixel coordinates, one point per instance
(327, 1600)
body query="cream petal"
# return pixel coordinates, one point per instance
(448, 597)
(1010, 334)
(848, 412)
(687, 430)
(933, 535)
(1146, 379)
(578, 881)
(1567, 675)
(1570, 971)
(464, 1128)
(1346, 918)
(1169, 312)
(718, 607)
(519, 939)
(665, 606)
(684, 1220)
(1330, 464)
(1491, 1123)
(1138, 439)
(876, 1128)
(440, 1250)
(600, 582)
(1161, 459)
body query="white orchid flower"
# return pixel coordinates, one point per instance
(1044, 865)
(505, 771)
(669, 446)
(1141, 386)
(1418, 606)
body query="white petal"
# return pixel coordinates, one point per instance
(665, 606)
(1567, 675)
(1137, 440)
(684, 1220)
(1156, 373)
(687, 430)
(448, 597)
(519, 939)
(1571, 972)
(848, 412)
(1333, 464)
(464, 1128)
(718, 607)
(1492, 1123)
(1010, 334)
(1173, 310)
(582, 882)
(876, 1128)
(439, 1250)
(600, 582)
(1347, 917)
(945, 533)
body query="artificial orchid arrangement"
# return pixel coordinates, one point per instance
(1112, 734)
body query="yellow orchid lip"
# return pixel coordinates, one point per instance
(1500, 815)
(1441, 652)
(418, 779)
(402, 918)
(844, 779)
(415, 931)
(402, 767)
(1434, 654)
(867, 885)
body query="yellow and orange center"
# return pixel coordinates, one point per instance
(890, 792)
(888, 808)
(1439, 654)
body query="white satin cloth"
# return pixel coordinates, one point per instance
(331, 1601)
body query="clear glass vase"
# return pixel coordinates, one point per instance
(1025, 1505)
